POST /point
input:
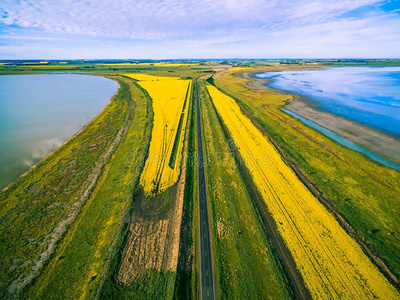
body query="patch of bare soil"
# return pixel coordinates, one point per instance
(154, 233)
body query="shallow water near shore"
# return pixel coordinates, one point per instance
(345, 142)
(40, 112)
(367, 95)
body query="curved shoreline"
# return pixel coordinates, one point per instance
(69, 139)
(38, 261)
(367, 137)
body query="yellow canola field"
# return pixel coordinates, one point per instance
(240, 69)
(152, 64)
(170, 99)
(146, 77)
(174, 64)
(332, 264)
(117, 64)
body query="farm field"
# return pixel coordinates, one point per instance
(359, 191)
(157, 64)
(149, 256)
(333, 265)
(170, 105)
(181, 71)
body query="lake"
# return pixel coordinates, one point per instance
(38, 113)
(367, 95)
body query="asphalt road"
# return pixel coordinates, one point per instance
(207, 288)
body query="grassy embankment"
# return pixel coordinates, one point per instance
(77, 265)
(364, 192)
(245, 265)
(33, 206)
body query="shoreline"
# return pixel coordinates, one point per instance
(367, 137)
(5, 188)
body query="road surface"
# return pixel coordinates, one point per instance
(207, 288)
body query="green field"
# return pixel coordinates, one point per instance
(93, 68)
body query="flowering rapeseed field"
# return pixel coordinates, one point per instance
(332, 264)
(146, 77)
(170, 97)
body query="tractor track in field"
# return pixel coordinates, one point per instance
(154, 226)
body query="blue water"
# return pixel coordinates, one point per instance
(40, 112)
(345, 142)
(368, 95)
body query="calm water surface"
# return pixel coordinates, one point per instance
(368, 95)
(40, 112)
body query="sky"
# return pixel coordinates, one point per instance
(194, 29)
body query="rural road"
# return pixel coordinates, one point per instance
(207, 288)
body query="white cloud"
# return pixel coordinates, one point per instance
(146, 19)
(193, 28)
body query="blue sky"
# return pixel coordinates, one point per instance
(173, 29)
